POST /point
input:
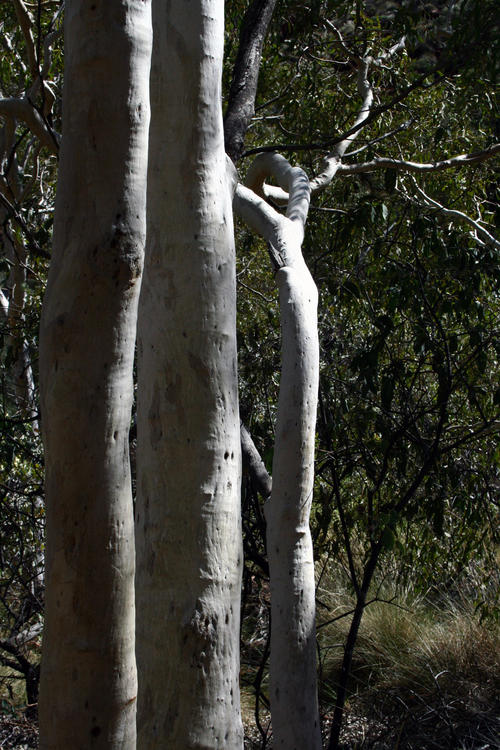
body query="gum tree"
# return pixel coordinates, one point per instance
(87, 335)
(188, 487)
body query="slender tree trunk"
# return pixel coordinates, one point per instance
(293, 688)
(293, 681)
(88, 681)
(352, 637)
(188, 505)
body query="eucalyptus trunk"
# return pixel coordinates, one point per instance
(188, 506)
(88, 679)
(293, 680)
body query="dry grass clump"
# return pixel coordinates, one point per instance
(426, 673)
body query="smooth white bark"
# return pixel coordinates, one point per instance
(188, 532)
(88, 681)
(480, 233)
(293, 688)
(402, 165)
(293, 680)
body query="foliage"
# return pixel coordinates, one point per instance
(30, 70)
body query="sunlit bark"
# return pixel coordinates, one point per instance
(293, 681)
(188, 506)
(88, 681)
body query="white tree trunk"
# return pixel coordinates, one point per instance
(293, 681)
(88, 681)
(188, 534)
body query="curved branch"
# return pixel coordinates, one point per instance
(259, 215)
(21, 109)
(332, 160)
(292, 180)
(453, 213)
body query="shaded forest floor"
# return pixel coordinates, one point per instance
(425, 676)
(455, 726)
(425, 673)
(444, 726)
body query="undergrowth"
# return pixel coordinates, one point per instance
(426, 669)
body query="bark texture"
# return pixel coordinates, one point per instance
(293, 681)
(88, 681)
(189, 464)
(241, 101)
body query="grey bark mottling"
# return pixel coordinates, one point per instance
(188, 519)
(87, 336)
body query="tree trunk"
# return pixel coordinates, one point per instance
(293, 681)
(188, 505)
(88, 680)
(20, 382)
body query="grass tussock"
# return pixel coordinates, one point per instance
(425, 674)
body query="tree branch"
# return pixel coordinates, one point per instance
(22, 109)
(292, 180)
(413, 166)
(241, 102)
(453, 213)
(328, 142)
(254, 464)
(26, 25)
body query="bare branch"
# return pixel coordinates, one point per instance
(26, 25)
(333, 160)
(480, 231)
(48, 43)
(389, 134)
(22, 109)
(4, 306)
(328, 142)
(412, 166)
